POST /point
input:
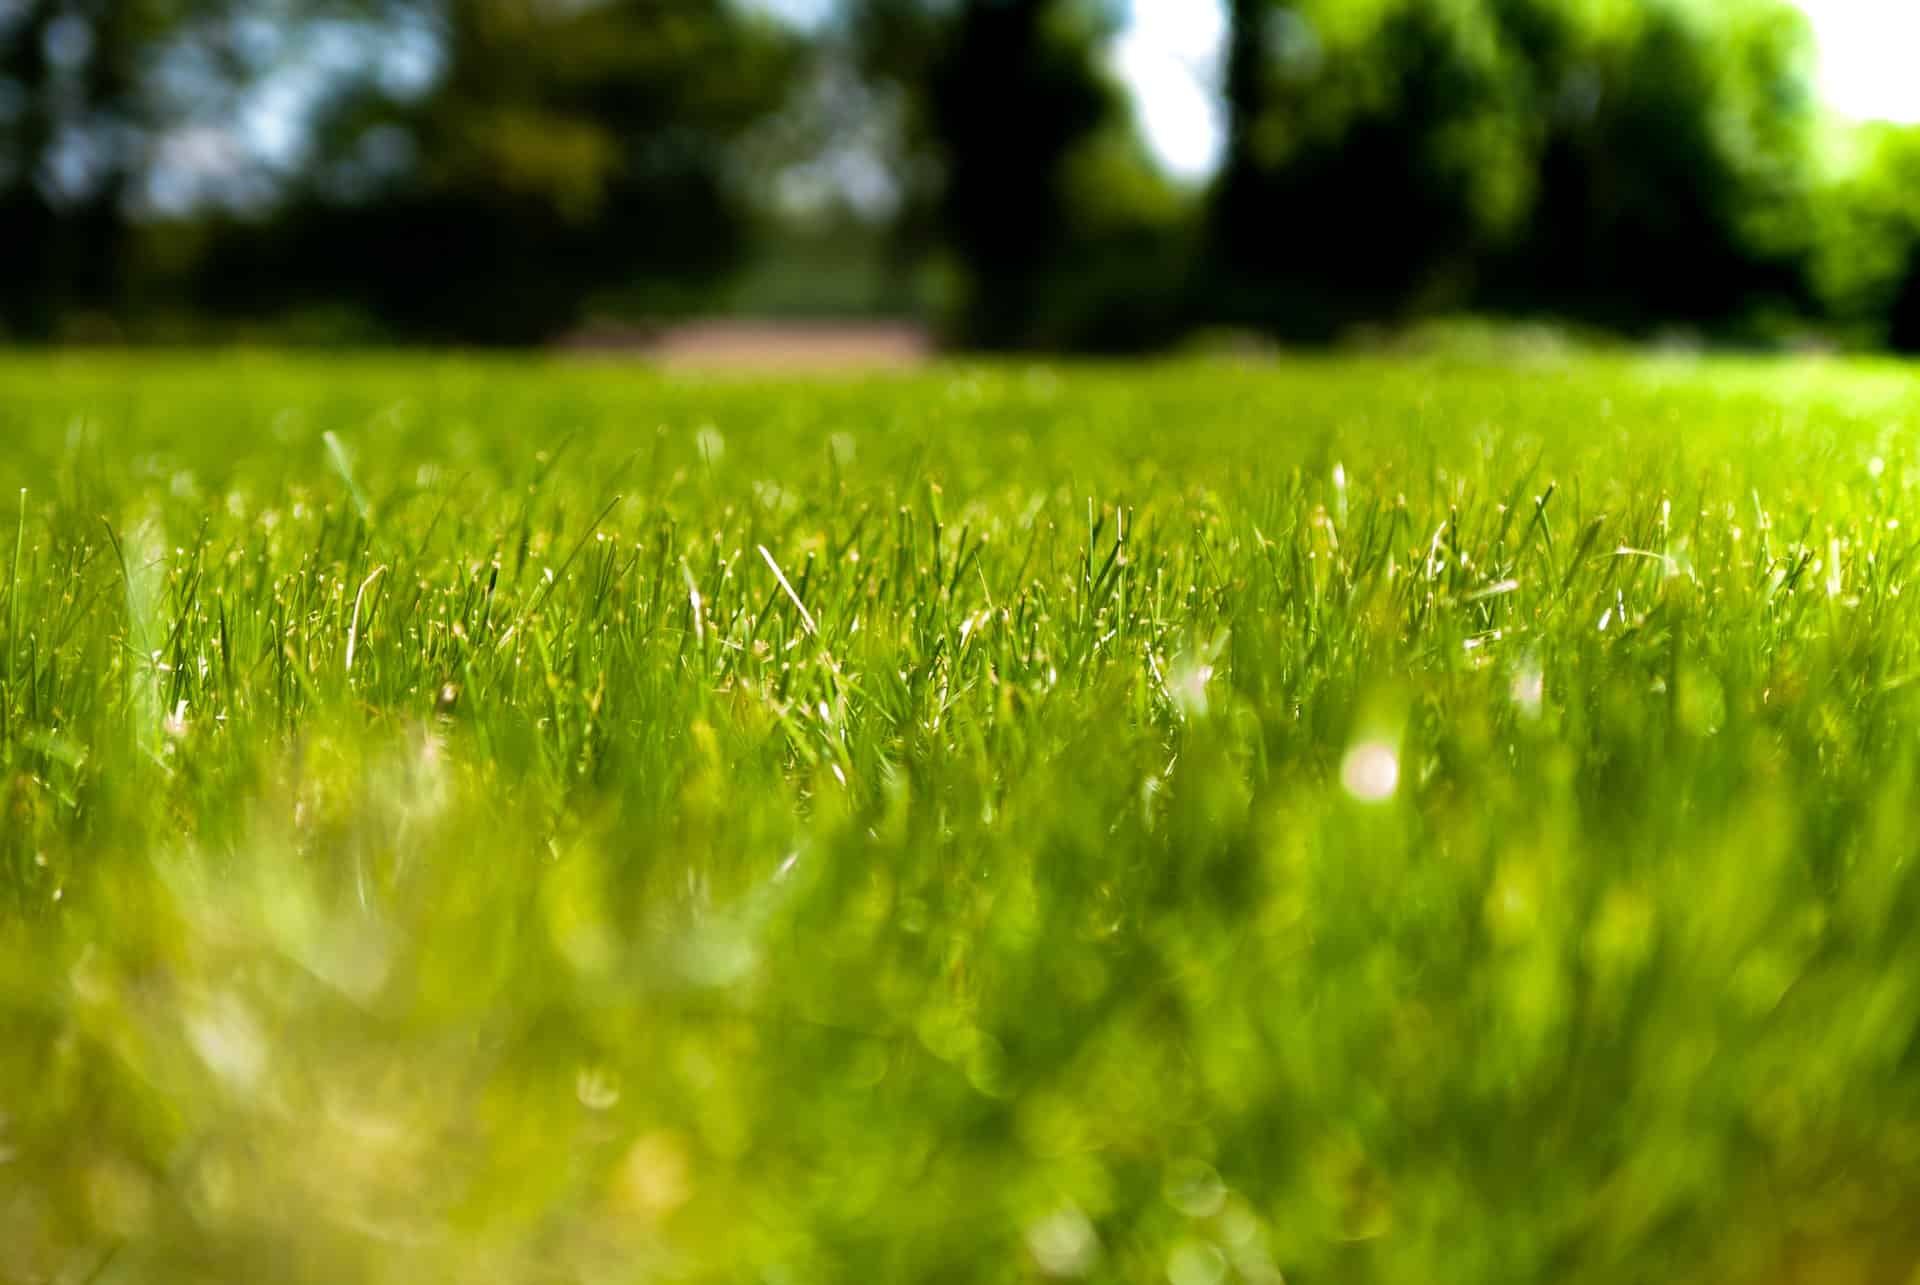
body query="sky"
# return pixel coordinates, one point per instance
(1169, 56)
(1867, 52)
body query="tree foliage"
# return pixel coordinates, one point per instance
(1631, 163)
(1866, 264)
(564, 152)
(82, 107)
(1022, 172)
(1614, 161)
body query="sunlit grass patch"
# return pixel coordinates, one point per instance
(1339, 820)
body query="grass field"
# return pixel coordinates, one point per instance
(1337, 821)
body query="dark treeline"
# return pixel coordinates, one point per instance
(500, 171)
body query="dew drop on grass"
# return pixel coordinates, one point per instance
(1528, 689)
(1189, 686)
(1194, 1188)
(1063, 1243)
(229, 1040)
(1371, 771)
(597, 1087)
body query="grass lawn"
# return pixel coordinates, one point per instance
(1337, 821)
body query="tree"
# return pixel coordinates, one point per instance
(1020, 168)
(1624, 163)
(1673, 162)
(1866, 262)
(79, 114)
(565, 152)
(1015, 92)
(1374, 158)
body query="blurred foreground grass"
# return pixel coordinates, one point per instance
(1338, 821)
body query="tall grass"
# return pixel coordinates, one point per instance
(1337, 821)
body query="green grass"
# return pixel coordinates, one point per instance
(1349, 820)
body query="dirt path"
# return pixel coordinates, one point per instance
(766, 345)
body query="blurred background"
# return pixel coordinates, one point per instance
(1063, 175)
